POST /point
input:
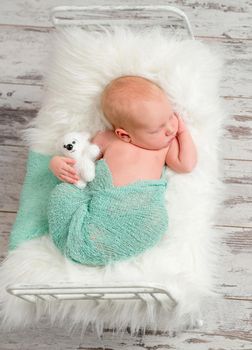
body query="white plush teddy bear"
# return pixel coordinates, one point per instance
(76, 145)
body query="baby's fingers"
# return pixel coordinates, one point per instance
(71, 174)
(67, 179)
(69, 160)
(69, 169)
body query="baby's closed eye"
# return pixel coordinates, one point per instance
(155, 131)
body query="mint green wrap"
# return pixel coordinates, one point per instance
(103, 223)
(31, 220)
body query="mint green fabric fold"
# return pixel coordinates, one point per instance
(96, 225)
(103, 223)
(31, 220)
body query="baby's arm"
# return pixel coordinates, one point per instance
(182, 154)
(102, 139)
(62, 168)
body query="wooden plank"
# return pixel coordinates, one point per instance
(236, 55)
(238, 128)
(199, 340)
(236, 206)
(36, 338)
(241, 108)
(20, 96)
(13, 165)
(7, 220)
(237, 140)
(237, 172)
(30, 65)
(12, 122)
(20, 57)
(224, 18)
(234, 273)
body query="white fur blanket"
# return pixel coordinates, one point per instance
(185, 260)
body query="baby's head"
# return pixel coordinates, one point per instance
(139, 111)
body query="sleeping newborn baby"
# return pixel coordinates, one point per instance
(122, 213)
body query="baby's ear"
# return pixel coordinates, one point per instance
(123, 135)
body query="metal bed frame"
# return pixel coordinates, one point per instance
(104, 15)
(69, 291)
(142, 291)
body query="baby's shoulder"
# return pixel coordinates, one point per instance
(104, 138)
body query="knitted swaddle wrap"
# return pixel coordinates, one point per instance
(31, 220)
(103, 223)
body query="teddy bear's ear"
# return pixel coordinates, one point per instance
(86, 135)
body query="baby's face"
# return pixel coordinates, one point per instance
(157, 125)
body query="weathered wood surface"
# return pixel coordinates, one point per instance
(35, 45)
(225, 25)
(224, 18)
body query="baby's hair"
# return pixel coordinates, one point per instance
(119, 95)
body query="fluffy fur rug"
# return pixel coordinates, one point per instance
(82, 63)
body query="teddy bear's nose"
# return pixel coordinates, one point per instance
(69, 147)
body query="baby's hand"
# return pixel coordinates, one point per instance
(62, 168)
(181, 124)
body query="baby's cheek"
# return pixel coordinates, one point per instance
(155, 138)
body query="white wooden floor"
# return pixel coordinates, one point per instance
(226, 25)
